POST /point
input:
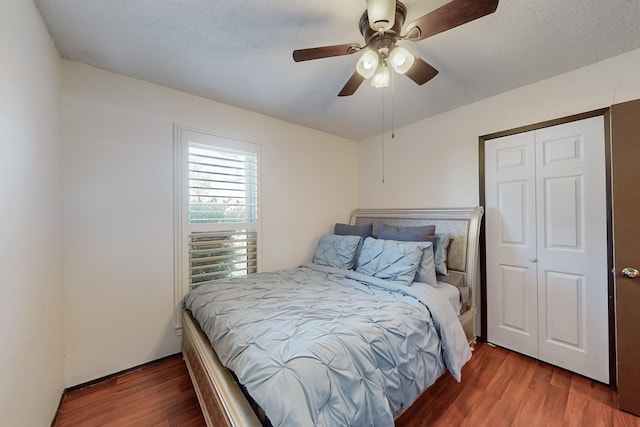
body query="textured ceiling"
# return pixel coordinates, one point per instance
(239, 52)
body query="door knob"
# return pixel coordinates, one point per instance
(630, 272)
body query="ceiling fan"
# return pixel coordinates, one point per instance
(381, 26)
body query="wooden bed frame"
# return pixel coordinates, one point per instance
(221, 399)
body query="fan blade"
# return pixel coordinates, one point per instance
(352, 85)
(325, 51)
(421, 72)
(451, 15)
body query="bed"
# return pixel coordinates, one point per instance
(225, 402)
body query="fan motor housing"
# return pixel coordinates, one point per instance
(377, 40)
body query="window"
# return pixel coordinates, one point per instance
(217, 225)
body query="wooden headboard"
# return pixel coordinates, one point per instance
(462, 223)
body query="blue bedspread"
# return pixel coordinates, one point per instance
(318, 346)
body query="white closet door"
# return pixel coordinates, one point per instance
(546, 241)
(572, 247)
(512, 295)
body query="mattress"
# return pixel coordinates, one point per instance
(452, 294)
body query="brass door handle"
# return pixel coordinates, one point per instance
(632, 273)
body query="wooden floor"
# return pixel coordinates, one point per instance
(157, 395)
(503, 388)
(499, 388)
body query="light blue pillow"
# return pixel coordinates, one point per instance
(337, 251)
(363, 231)
(441, 247)
(427, 268)
(391, 260)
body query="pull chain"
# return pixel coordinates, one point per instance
(393, 107)
(382, 137)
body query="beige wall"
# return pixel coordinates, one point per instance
(118, 208)
(30, 219)
(434, 162)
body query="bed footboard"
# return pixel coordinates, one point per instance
(468, 321)
(221, 400)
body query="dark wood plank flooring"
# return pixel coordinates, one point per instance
(503, 388)
(499, 388)
(156, 395)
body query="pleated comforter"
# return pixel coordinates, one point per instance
(319, 346)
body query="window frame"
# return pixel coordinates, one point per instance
(183, 137)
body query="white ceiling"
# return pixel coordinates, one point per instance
(240, 52)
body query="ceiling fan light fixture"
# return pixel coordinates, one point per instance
(381, 25)
(382, 14)
(401, 59)
(381, 77)
(368, 64)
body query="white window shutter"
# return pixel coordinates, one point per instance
(217, 212)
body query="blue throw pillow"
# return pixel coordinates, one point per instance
(441, 246)
(337, 251)
(391, 260)
(363, 231)
(427, 268)
(423, 233)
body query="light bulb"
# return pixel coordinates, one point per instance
(368, 63)
(401, 59)
(381, 76)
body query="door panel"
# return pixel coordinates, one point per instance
(625, 152)
(565, 322)
(510, 241)
(563, 216)
(512, 203)
(572, 247)
(513, 305)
